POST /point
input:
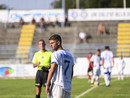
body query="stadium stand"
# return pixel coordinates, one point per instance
(9, 38)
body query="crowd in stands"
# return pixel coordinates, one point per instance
(43, 24)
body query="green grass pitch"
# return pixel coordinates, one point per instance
(24, 88)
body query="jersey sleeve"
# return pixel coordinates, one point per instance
(92, 58)
(54, 58)
(102, 55)
(34, 60)
(111, 54)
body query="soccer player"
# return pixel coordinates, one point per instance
(107, 61)
(61, 70)
(41, 60)
(96, 60)
(121, 66)
(90, 67)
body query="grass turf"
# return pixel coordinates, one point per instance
(24, 88)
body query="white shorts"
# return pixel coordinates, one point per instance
(120, 71)
(107, 71)
(96, 71)
(57, 91)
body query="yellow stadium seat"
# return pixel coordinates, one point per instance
(27, 31)
(123, 46)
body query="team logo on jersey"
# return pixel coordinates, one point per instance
(42, 57)
(5, 71)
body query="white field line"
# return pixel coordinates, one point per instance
(87, 91)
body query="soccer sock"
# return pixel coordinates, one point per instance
(106, 79)
(97, 79)
(92, 80)
(89, 76)
(122, 76)
(109, 78)
(118, 76)
(37, 96)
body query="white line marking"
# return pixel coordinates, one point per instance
(87, 91)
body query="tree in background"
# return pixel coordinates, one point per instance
(3, 6)
(70, 4)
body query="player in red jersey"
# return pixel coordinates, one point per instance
(90, 67)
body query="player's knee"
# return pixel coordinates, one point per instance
(38, 91)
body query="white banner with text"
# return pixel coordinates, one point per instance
(28, 15)
(99, 14)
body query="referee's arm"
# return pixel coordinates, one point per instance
(35, 65)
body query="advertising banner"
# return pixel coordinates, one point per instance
(28, 15)
(99, 14)
(14, 70)
(80, 69)
(3, 15)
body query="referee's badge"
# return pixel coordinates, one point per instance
(42, 57)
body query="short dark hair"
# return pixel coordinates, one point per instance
(42, 41)
(98, 50)
(56, 37)
(90, 53)
(107, 47)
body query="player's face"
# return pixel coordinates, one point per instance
(121, 57)
(41, 45)
(90, 55)
(98, 53)
(54, 44)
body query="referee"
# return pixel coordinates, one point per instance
(41, 60)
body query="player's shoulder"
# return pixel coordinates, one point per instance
(103, 52)
(110, 51)
(62, 52)
(36, 53)
(93, 56)
(48, 53)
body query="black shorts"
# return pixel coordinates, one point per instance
(89, 69)
(41, 78)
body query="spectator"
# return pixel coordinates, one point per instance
(57, 23)
(21, 22)
(42, 24)
(49, 23)
(101, 29)
(67, 22)
(33, 22)
(82, 37)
